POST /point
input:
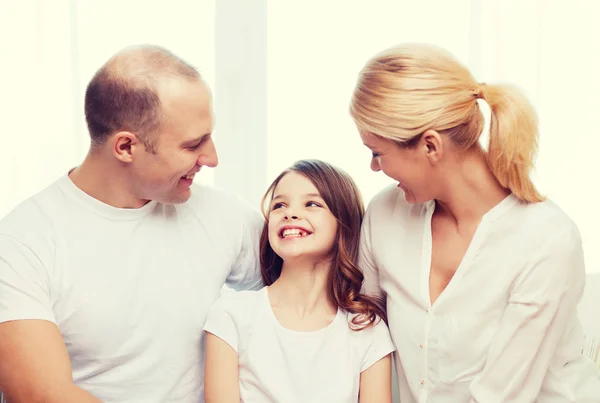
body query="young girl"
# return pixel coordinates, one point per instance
(309, 336)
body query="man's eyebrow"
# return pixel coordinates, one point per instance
(196, 140)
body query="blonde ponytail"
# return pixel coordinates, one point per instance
(411, 88)
(513, 139)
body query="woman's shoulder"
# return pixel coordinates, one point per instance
(386, 199)
(546, 218)
(390, 201)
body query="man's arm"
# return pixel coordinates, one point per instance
(34, 363)
(35, 366)
(245, 272)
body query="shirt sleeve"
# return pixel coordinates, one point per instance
(221, 320)
(379, 344)
(366, 261)
(245, 272)
(24, 283)
(542, 303)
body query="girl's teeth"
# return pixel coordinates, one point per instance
(293, 232)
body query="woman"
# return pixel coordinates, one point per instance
(481, 274)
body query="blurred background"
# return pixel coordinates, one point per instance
(282, 73)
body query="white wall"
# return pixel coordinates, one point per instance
(545, 47)
(283, 72)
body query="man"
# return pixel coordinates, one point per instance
(106, 276)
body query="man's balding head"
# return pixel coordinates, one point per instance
(124, 94)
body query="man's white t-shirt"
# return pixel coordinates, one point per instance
(279, 365)
(129, 289)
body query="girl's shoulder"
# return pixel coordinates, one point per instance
(238, 302)
(373, 342)
(361, 328)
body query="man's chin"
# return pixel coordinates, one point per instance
(179, 198)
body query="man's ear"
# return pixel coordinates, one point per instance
(433, 146)
(125, 144)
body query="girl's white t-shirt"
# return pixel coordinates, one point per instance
(281, 365)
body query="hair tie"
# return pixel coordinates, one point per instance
(479, 91)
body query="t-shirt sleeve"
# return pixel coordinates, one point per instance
(245, 272)
(24, 283)
(221, 320)
(378, 344)
(366, 262)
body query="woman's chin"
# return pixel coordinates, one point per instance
(409, 196)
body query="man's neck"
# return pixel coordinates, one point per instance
(104, 181)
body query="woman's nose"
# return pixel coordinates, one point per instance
(375, 165)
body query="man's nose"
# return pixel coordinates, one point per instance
(210, 157)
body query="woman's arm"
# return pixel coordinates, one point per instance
(221, 376)
(542, 304)
(376, 382)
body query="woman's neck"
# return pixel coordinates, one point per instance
(471, 189)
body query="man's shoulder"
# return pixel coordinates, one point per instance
(210, 203)
(37, 213)
(208, 196)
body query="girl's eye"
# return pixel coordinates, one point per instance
(312, 204)
(375, 155)
(276, 206)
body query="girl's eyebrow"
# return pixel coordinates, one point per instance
(306, 195)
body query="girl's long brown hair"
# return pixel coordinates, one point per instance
(344, 200)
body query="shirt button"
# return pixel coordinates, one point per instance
(421, 345)
(422, 382)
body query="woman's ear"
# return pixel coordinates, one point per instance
(433, 145)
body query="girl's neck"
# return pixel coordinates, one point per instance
(302, 288)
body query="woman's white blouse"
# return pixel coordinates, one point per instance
(505, 329)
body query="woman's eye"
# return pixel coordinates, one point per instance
(375, 155)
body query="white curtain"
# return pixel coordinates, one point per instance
(50, 50)
(282, 74)
(548, 48)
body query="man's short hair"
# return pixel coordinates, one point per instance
(123, 94)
